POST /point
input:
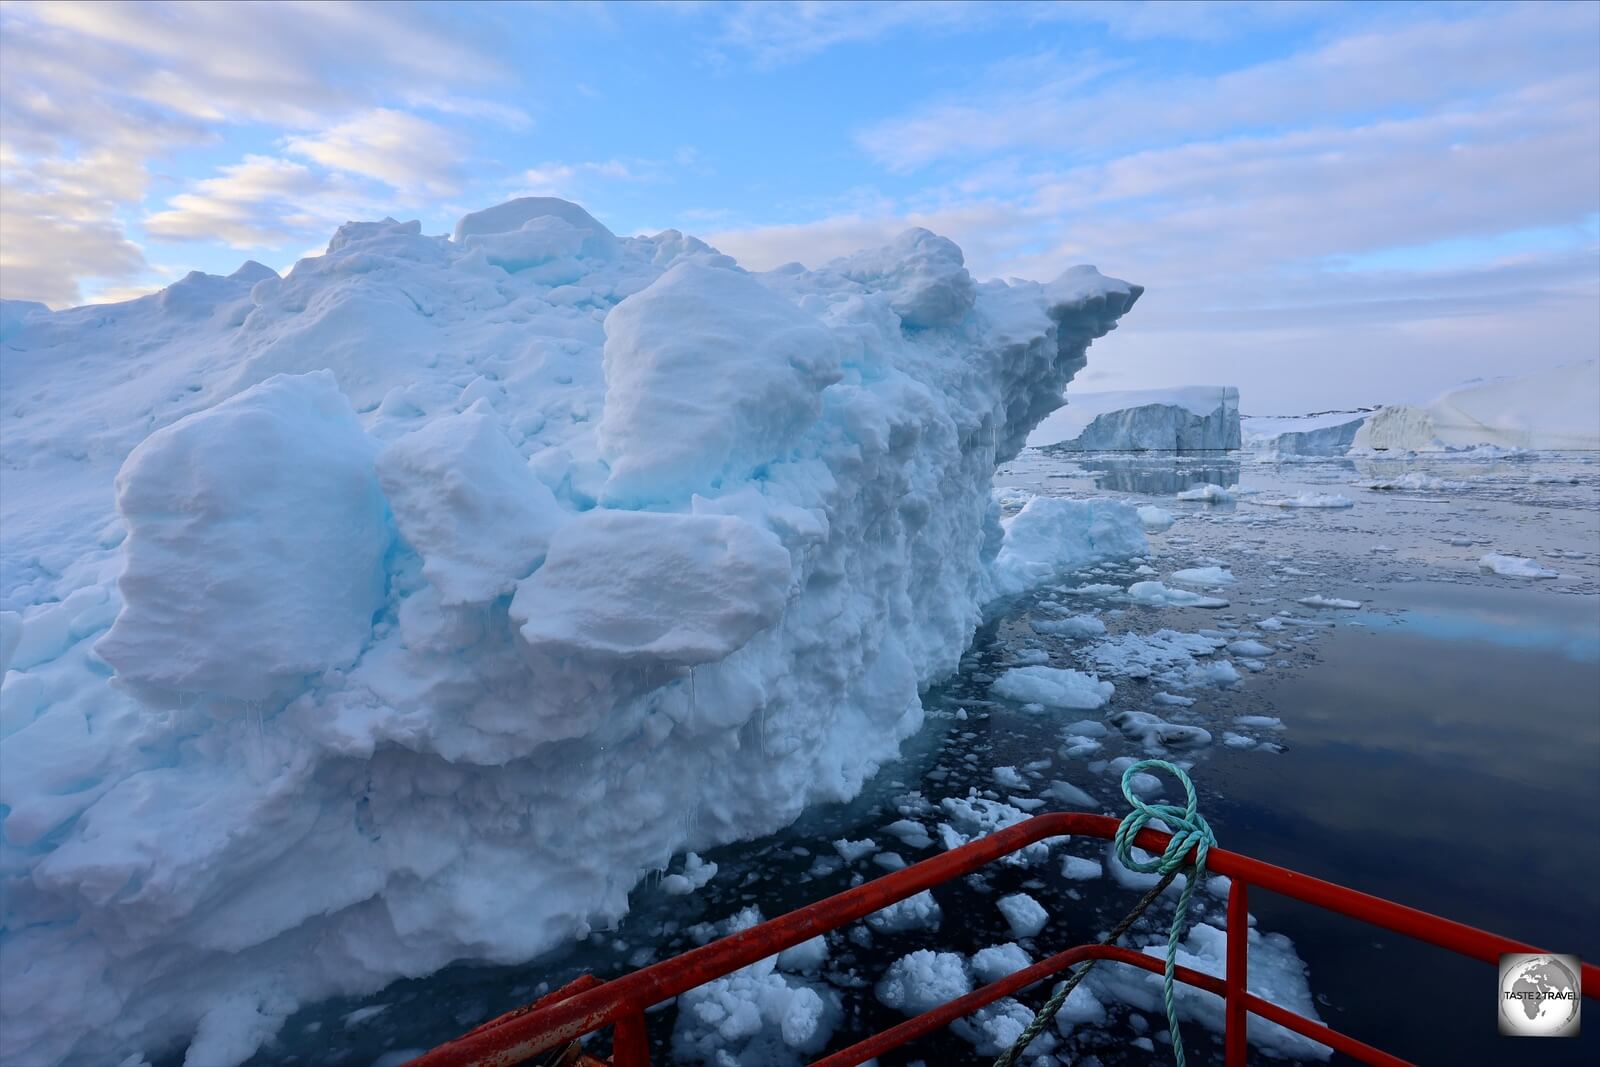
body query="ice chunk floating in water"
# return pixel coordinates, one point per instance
(463, 581)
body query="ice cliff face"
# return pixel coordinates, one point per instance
(1185, 419)
(410, 607)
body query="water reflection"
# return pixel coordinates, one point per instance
(1158, 477)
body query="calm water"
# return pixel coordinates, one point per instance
(1440, 747)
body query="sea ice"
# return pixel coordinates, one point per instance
(1514, 566)
(923, 980)
(995, 962)
(1319, 601)
(1053, 687)
(1308, 500)
(1025, 915)
(1204, 576)
(1207, 492)
(1154, 594)
(919, 912)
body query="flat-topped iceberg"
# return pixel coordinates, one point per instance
(1196, 418)
(412, 606)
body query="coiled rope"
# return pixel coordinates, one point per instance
(1189, 831)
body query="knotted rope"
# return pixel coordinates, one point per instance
(1189, 831)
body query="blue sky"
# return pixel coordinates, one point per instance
(1329, 204)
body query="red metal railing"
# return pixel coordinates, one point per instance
(588, 1005)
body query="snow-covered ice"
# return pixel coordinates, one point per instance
(1053, 687)
(995, 962)
(919, 912)
(1025, 915)
(1317, 600)
(1156, 595)
(361, 585)
(1514, 566)
(1204, 576)
(1206, 492)
(1155, 519)
(923, 980)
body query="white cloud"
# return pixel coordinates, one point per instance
(774, 33)
(262, 201)
(402, 150)
(1415, 64)
(93, 94)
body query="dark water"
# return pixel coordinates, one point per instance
(1440, 747)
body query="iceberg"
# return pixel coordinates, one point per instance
(1323, 433)
(1556, 409)
(412, 606)
(1185, 419)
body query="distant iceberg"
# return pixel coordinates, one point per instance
(1196, 418)
(1555, 409)
(1324, 433)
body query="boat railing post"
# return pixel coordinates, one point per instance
(631, 1045)
(1236, 1016)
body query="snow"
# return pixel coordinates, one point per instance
(1054, 687)
(1551, 409)
(1514, 566)
(923, 980)
(1023, 914)
(432, 548)
(1207, 492)
(1185, 418)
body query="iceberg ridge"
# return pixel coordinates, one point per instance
(410, 607)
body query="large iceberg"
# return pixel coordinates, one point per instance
(1196, 418)
(1323, 433)
(1553, 409)
(410, 607)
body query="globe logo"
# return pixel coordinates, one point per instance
(1540, 995)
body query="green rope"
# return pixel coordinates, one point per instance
(1189, 831)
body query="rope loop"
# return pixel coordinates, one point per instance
(1188, 827)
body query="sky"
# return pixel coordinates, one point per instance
(1328, 204)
